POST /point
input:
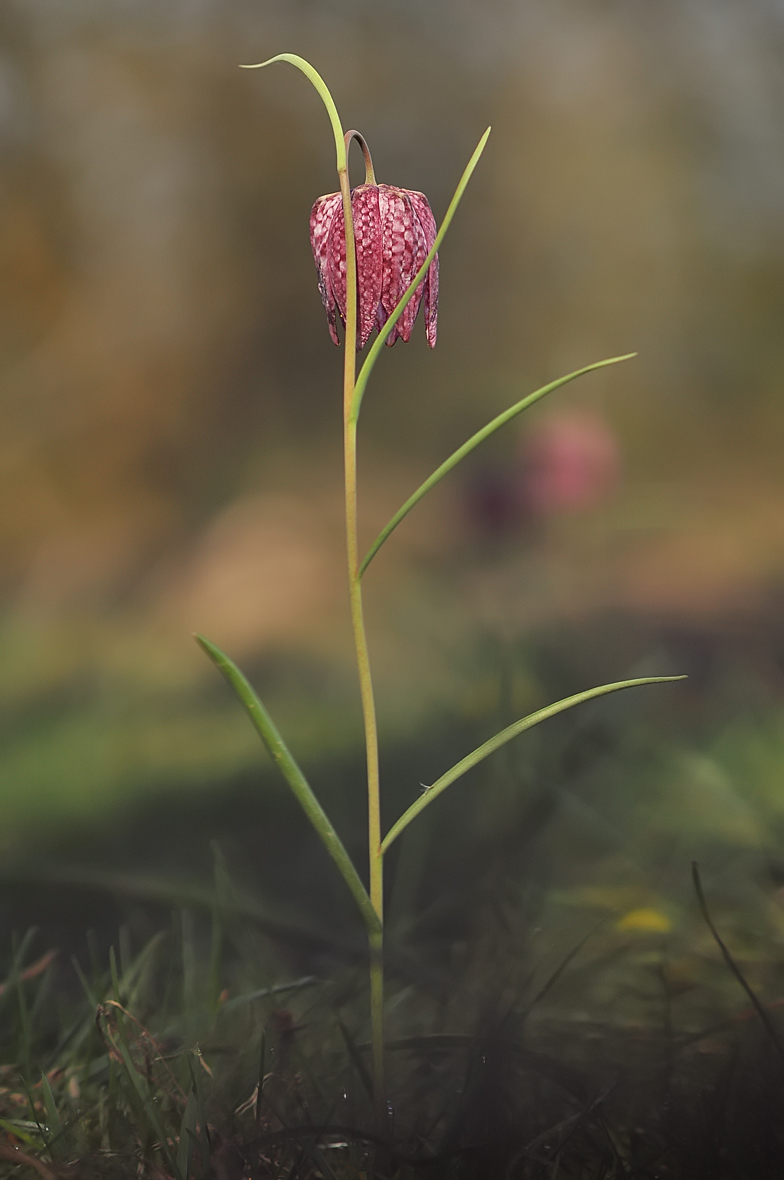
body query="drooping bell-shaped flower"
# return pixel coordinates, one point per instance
(394, 230)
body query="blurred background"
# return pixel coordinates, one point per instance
(170, 456)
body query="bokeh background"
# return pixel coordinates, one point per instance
(170, 455)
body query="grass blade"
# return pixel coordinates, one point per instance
(278, 751)
(185, 1140)
(262, 993)
(92, 998)
(34, 970)
(189, 967)
(16, 973)
(176, 893)
(138, 1090)
(473, 442)
(203, 1142)
(555, 975)
(500, 739)
(356, 1059)
(20, 1129)
(116, 991)
(214, 988)
(55, 1127)
(764, 1016)
(134, 977)
(25, 1049)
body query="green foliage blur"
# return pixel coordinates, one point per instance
(170, 434)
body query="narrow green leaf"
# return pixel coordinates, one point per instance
(278, 751)
(21, 1128)
(216, 955)
(138, 969)
(135, 1091)
(262, 1075)
(429, 1043)
(759, 1008)
(555, 975)
(276, 989)
(54, 1124)
(356, 1059)
(189, 968)
(92, 998)
(320, 86)
(124, 946)
(500, 739)
(225, 892)
(117, 995)
(142, 1100)
(173, 893)
(185, 1140)
(380, 341)
(9, 985)
(203, 1142)
(473, 442)
(25, 1049)
(110, 1108)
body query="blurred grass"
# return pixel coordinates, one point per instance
(196, 1044)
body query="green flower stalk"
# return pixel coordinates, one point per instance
(376, 254)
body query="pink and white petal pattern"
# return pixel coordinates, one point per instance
(321, 217)
(415, 260)
(367, 234)
(392, 211)
(431, 303)
(425, 214)
(400, 247)
(336, 260)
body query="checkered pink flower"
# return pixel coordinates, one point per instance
(394, 230)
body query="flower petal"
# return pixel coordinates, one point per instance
(431, 303)
(367, 235)
(322, 216)
(414, 260)
(425, 214)
(390, 208)
(402, 241)
(336, 260)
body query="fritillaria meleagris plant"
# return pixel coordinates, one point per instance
(377, 262)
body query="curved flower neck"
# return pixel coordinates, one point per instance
(370, 176)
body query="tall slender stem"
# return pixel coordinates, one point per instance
(376, 938)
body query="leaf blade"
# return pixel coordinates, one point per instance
(321, 88)
(500, 739)
(55, 1128)
(474, 441)
(184, 1140)
(380, 341)
(279, 752)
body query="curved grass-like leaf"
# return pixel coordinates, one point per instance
(500, 739)
(187, 1136)
(380, 341)
(320, 86)
(279, 752)
(474, 441)
(171, 892)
